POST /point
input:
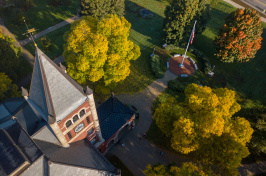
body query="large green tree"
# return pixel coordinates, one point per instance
(187, 169)
(9, 56)
(240, 37)
(203, 119)
(7, 89)
(102, 8)
(99, 49)
(180, 18)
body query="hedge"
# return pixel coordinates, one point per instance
(156, 67)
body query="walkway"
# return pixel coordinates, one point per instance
(136, 155)
(241, 7)
(48, 30)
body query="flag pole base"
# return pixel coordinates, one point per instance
(181, 65)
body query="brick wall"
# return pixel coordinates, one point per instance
(82, 133)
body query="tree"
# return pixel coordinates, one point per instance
(240, 37)
(7, 89)
(224, 151)
(101, 9)
(99, 49)
(180, 18)
(166, 114)
(9, 55)
(187, 169)
(204, 120)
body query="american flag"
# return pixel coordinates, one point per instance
(192, 35)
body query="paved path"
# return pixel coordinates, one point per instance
(259, 5)
(27, 55)
(136, 155)
(239, 6)
(48, 30)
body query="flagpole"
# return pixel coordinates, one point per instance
(182, 65)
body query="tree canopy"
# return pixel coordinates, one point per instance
(180, 18)
(101, 9)
(240, 37)
(98, 49)
(187, 169)
(9, 55)
(7, 89)
(204, 120)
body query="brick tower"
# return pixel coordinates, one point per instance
(68, 109)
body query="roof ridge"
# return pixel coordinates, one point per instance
(63, 73)
(47, 88)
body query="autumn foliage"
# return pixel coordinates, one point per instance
(240, 37)
(187, 169)
(99, 49)
(204, 120)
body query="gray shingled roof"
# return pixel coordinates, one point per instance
(54, 91)
(79, 154)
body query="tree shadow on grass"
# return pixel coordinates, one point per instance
(150, 27)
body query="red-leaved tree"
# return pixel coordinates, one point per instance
(240, 37)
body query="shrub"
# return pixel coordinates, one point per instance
(180, 86)
(155, 67)
(46, 43)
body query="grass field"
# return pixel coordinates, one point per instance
(237, 76)
(57, 43)
(41, 16)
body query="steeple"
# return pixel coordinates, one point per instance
(52, 90)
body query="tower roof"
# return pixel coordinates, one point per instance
(52, 90)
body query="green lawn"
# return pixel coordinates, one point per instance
(247, 79)
(41, 16)
(57, 43)
(147, 33)
(237, 76)
(120, 165)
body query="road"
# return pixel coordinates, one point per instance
(260, 5)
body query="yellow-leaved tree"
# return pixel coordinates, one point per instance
(99, 49)
(204, 120)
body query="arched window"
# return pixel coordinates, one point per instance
(75, 118)
(82, 113)
(69, 123)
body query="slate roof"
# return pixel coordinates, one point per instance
(52, 90)
(80, 154)
(24, 114)
(11, 158)
(112, 114)
(16, 148)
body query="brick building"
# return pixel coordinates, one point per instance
(57, 111)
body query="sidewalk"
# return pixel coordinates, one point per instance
(27, 55)
(136, 155)
(241, 7)
(50, 29)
